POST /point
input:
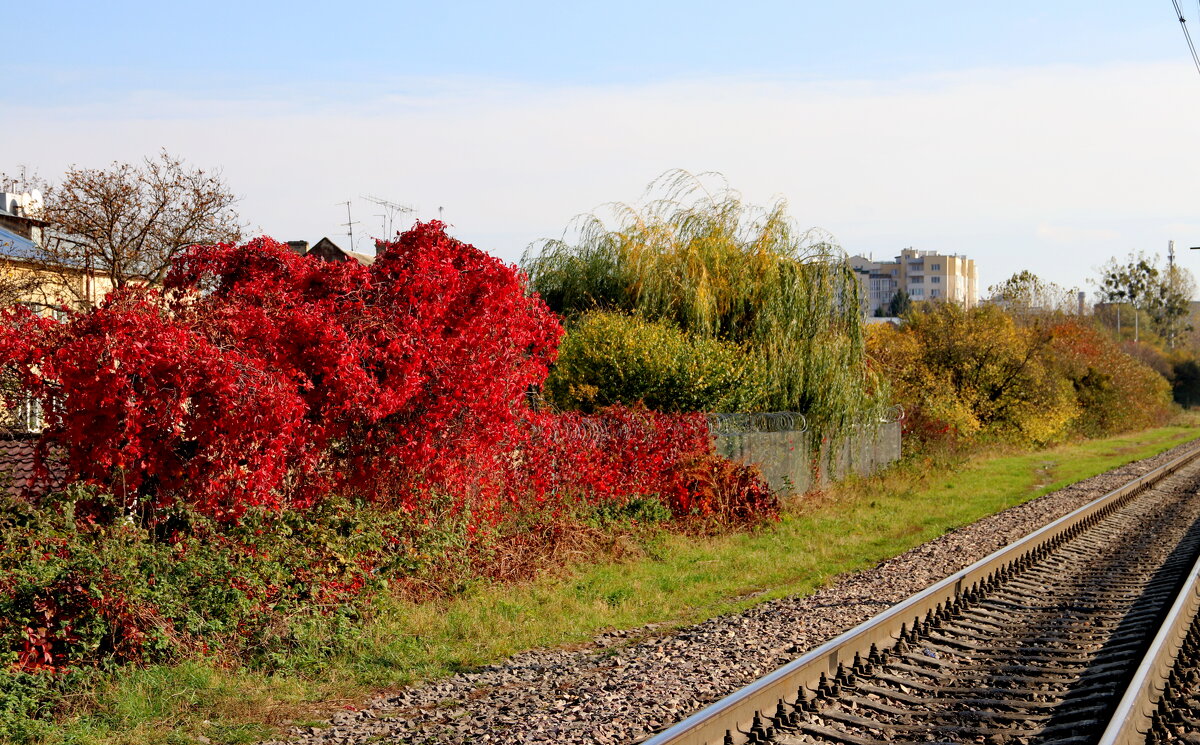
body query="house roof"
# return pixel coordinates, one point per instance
(16, 246)
(327, 250)
(364, 259)
(16, 465)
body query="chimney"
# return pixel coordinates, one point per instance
(1081, 297)
(300, 247)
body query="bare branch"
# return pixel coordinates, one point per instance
(127, 222)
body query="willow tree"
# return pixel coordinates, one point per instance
(695, 255)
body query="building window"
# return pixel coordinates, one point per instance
(936, 280)
(29, 415)
(935, 267)
(917, 280)
(916, 292)
(57, 312)
(934, 293)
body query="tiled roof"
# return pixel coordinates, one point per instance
(16, 465)
(15, 246)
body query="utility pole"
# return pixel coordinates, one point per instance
(1170, 279)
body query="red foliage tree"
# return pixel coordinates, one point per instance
(144, 405)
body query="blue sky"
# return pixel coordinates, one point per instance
(1027, 135)
(119, 46)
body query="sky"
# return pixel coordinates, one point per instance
(1027, 135)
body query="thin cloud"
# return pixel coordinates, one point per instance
(998, 164)
(1073, 234)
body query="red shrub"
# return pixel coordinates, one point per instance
(145, 405)
(260, 377)
(407, 369)
(624, 453)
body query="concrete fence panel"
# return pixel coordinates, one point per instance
(785, 456)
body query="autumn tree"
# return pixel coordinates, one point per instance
(1025, 295)
(1163, 294)
(696, 257)
(127, 222)
(973, 371)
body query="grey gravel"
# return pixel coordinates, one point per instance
(626, 685)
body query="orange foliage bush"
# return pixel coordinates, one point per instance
(963, 373)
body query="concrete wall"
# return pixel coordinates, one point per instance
(783, 457)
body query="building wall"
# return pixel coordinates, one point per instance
(45, 292)
(924, 275)
(22, 226)
(45, 289)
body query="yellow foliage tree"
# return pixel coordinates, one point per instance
(975, 372)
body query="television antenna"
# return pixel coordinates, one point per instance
(349, 224)
(391, 211)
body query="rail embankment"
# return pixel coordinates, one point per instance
(832, 562)
(648, 580)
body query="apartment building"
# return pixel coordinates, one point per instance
(924, 275)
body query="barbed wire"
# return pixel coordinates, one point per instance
(766, 421)
(719, 423)
(892, 414)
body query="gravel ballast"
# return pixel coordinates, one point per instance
(626, 685)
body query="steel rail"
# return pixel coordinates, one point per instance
(1132, 719)
(731, 718)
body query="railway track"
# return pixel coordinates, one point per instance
(1066, 636)
(1177, 716)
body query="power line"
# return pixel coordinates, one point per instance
(1186, 34)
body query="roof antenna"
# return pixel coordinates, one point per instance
(350, 223)
(391, 211)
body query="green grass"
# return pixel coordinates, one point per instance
(675, 581)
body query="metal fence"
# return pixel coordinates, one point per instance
(780, 444)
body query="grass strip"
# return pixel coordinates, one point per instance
(677, 580)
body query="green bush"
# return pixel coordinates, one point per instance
(86, 587)
(698, 257)
(611, 358)
(80, 591)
